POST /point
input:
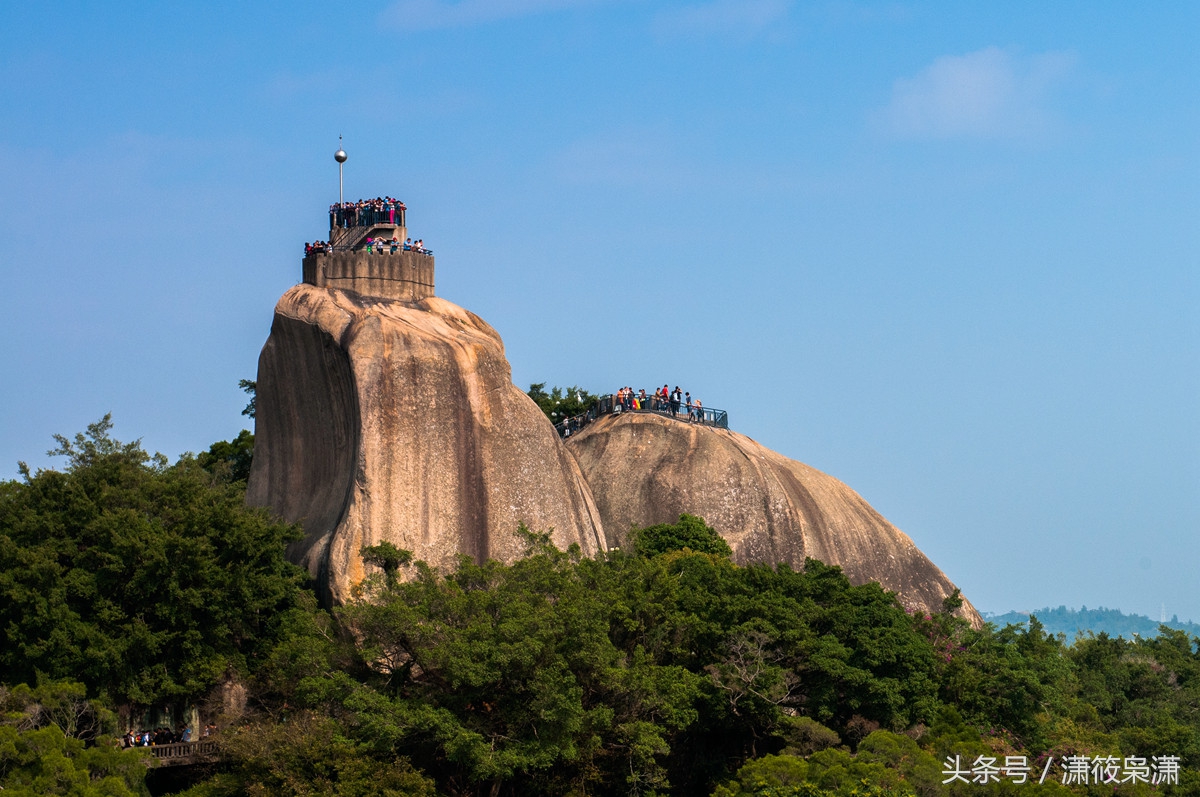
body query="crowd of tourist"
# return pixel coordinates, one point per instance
(381, 245)
(162, 735)
(376, 246)
(676, 403)
(365, 212)
(663, 400)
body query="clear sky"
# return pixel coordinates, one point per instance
(945, 252)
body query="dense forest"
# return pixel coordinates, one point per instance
(129, 584)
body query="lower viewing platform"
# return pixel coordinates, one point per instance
(611, 405)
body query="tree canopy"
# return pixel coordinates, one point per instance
(690, 533)
(662, 668)
(560, 402)
(145, 581)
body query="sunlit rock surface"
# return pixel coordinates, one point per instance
(383, 419)
(389, 420)
(646, 469)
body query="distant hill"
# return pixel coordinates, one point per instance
(1072, 622)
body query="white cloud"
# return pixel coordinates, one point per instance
(992, 93)
(434, 14)
(738, 18)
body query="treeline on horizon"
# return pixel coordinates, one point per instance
(1114, 622)
(129, 583)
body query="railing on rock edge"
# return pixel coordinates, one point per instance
(608, 405)
(169, 754)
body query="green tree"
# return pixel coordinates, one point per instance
(307, 755)
(830, 773)
(53, 740)
(560, 402)
(1006, 679)
(496, 675)
(63, 704)
(230, 460)
(45, 761)
(690, 532)
(250, 386)
(388, 558)
(144, 581)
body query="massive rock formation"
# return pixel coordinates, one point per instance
(395, 420)
(646, 469)
(385, 413)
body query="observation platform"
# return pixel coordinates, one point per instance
(610, 405)
(385, 268)
(181, 754)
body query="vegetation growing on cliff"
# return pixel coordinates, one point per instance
(560, 402)
(660, 669)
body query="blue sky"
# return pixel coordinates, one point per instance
(946, 252)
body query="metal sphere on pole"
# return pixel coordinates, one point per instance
(340, 156)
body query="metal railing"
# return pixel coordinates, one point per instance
(167, 752)
(362, 247)
(365, 217)
(608, 405)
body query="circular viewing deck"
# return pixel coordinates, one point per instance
(369, 252)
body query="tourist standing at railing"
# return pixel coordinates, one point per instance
(699, 411)
(676, 397)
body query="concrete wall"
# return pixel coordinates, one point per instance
(407, 276)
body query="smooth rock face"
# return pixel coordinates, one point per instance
(389, 420)
(645, 469)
